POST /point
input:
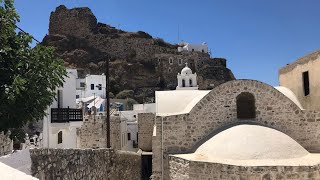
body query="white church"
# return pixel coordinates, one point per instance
(187, 80)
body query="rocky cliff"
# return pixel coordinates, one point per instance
(86, 44)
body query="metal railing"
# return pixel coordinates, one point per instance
(63, 115)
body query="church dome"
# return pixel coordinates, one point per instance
(249, 142)
(186, 70)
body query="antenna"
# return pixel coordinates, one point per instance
(178, 33)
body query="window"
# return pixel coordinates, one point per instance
(169, 70)
(306, 88)
(77, 96)
(192, 50)
(202, 50)
(100, 86)
(60, 137)
(82, 84)
(183, 83)
(171, 60)
(159, 60)
(92, 86)
(134, 116)
(246, 106)
(180, 61)
(129, 136)
(60, 99)
(190, 82)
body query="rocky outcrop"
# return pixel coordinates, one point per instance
(86, 44)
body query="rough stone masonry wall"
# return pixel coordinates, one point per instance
(145, 130)
(6, 144)
(93, 132)
(80, 164)
(115, 132)
(193, 170)
(218, 111)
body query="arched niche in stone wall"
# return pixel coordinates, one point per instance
(246, 108)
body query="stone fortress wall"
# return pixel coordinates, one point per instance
(193, 170)
(79, 164)
(168, 64)
(6, 144)
(218, 111)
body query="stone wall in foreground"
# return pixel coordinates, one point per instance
(193, 170)
(78, 164)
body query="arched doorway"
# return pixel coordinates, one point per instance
(183, 83)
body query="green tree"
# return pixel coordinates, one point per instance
(28, 76)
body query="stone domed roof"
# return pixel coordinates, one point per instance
(186, 70)
(247, 142)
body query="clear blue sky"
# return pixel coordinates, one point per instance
(256, 36)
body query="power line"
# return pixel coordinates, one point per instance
(27, 33)
(22, 31)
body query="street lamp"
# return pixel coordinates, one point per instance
(108, 103)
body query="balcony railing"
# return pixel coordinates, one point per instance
(63, 115)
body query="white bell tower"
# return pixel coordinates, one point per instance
(187, 80)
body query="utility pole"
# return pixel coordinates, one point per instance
(108, 103)
(94, 107)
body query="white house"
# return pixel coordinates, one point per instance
(62, 120)
(91, 85)
(193, 47)
(187, 80)
(131, 118)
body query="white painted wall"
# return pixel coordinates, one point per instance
(95, 80)
(133, 130)
(194, 47)
(187, 78)
(131, 119)
(51, 130)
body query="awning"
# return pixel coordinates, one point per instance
(97, 102)
(87, 99)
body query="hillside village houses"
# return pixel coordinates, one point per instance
(189, 133)
(76, 99)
